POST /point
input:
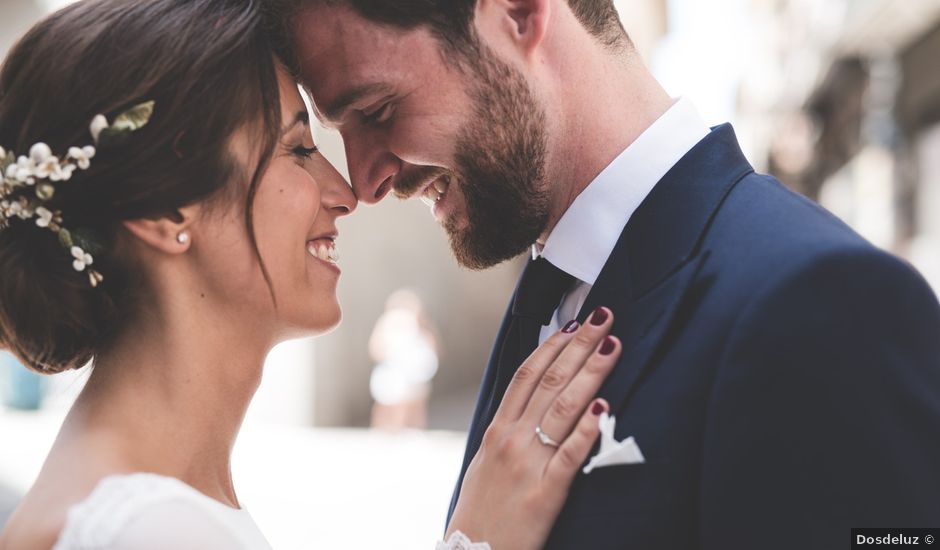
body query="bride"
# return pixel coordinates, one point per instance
(165, 215)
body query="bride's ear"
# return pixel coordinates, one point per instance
(169, 233)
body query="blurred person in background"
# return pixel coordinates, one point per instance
(166, 216)
(778, 370)
(404, 346)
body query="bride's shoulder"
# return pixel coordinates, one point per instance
(41, 514)
(139, 511)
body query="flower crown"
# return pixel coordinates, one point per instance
(28, 183)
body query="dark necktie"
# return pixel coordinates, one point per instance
(541, 289)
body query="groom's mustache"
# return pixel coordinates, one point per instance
(410, 183)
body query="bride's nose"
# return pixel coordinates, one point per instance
(336, 195)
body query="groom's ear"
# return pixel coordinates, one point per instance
(162, 232)
(521, 24)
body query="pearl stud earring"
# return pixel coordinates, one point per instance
(182, 238)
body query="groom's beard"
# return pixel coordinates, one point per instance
(499, 169)
(500, 160)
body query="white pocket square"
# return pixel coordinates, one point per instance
(613, 452)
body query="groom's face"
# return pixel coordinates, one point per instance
(469, 142)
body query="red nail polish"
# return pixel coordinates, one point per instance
(571, 327)
(597, 408)
(608, 346)
(599, 317)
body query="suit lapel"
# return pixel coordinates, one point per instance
(645, 322)
(658, 256)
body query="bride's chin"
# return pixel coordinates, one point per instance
(323, 321)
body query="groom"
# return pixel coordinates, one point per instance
(780, 375)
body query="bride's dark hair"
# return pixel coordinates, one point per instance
(208, 67)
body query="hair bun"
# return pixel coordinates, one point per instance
(50, 317)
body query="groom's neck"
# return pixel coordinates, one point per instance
(607, 100)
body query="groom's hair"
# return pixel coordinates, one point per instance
(451, 21)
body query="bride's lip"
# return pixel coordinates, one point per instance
(331, 235)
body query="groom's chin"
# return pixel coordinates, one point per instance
(477, 253)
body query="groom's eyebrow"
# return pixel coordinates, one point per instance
(334, 111)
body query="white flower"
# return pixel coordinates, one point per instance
(48, 169)
(98, 124)
(65, 172)
(16, 209)
(3, 153)
(24, 175)
(82, 156)
(39, 153)
(24, 170)
(82, 259)
(12, 171)
(61, 172)
(44, 217)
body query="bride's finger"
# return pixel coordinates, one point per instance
(567, 365)
(574, 450)
(564, 412)
(527, 377)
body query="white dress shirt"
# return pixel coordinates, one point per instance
(586, 234)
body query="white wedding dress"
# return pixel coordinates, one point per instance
(153, 512)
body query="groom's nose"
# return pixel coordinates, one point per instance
(372, 169)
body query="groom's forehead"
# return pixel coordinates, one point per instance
(339, 50)
(341, 33)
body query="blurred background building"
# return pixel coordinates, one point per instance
(840, 99)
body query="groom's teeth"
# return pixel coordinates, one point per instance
(435, 191)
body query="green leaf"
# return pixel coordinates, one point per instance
(126, 124)
(65, 238)
(89, 241)
(134, 118)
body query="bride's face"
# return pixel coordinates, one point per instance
(294, 212)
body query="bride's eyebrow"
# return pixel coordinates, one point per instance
(301, 117)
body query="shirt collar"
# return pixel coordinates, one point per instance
(586, 234)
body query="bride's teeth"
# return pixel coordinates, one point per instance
(323, 251)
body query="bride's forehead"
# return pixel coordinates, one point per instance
(291, 100)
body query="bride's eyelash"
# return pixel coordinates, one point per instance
(305, 152)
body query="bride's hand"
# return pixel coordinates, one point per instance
(516, 485)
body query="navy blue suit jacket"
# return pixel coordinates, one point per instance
(780, 374)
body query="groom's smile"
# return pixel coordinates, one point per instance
(464, 135)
